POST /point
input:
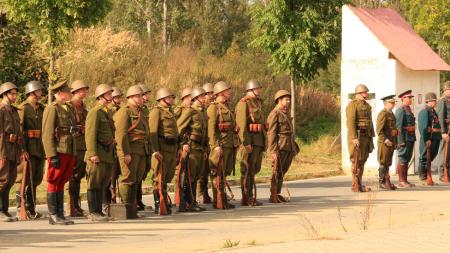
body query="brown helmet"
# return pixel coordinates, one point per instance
(7, 87)
(220, 87)
(280, 94)
(32, 86)
(208, 87)
(134, 90)
(77, 85)
(186, 92)
(360, 88)
(163, 93)
(102, 89)
(116, 92)
(144, 88)
(253, 84)
(430, 96)
(198, 91)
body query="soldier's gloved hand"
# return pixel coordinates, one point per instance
(55, 162)
(356, 142)
(445, 137)
(248, 149)
(388, 143)
(428, 143)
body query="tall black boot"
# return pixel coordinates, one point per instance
(95, 206)
(60, 208)
(140, 204)
(52, 204)
(381, 175)
(30, 204)
(157, 201)
(182, 205)
(195, 205)
(4, 205)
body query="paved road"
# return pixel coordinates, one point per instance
(322, 212)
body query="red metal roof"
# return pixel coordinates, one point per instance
(400, 39)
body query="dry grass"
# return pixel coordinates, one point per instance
(230, 244)
(364, 215)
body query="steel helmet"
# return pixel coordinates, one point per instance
(198, 91)
(280, 94)
(7, 87)
(102, 89)
(220, 87)
(253, 84)
(134, 90)
(163, 93)
(33, 86)
(77, 85)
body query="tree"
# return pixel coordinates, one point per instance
(52, 20)
(301, 36)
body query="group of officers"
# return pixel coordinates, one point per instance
(398, 132)
(115, 144)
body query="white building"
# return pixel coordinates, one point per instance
(381, 50)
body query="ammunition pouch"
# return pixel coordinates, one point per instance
(433, 130)
(107, 145)
(410, 129)
(169, 140)
(225, 127)
(198, 139)
(13, 138)
(137, 136)
(256, 128)
(33, 134)
(394, 132)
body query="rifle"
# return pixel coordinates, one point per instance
(221, 202)
(162, 196)
(428, 167)
(445, 178)
(273, 182)
(23, 212)
(356, 170)
(246, 163)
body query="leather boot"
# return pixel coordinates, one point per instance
(401, 176)
(60, 208)
(30, 204)
(140, 204)
(182, 205)
(355, 183)
(156, 200)
(405, 175)
(387, 181)
(195, 205)
(53, 217)
(204, 190)
(4, 204)
(381, 176)
(95, 209)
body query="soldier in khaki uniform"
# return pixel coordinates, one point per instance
(387, 141)
(281, 143)
(360, 135)
(59, 142)
(30, 112)
(193, 129)
(252, 123)
(99, 151)
(223, 141)
(11, 147)
(79, 91)
(132, 145)
(186, 102)
(164, 139)
(146, 113)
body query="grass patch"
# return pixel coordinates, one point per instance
(230, 244)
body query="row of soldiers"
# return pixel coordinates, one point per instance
(117, 143)
(398, 132)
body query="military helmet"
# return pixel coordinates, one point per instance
(102, 89)
(77, 85)
(33, 86)
(430, 96)
(360, 88)
(116, 92)
(198, 91)
(220, 87)
(447, 85)
(60, 86)
(7, 87)
(253, 84)
(163, 93)
(186, 92)
(144, 88)
(134, 90)
(280, 94)
(208, 87)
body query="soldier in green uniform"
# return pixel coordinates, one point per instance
(360, 135)
(252, 124)
(185, 102)
(164, 139)
(59, 142)
(430, 138)
(11, 147)
(146, 113)
(406, 124)
(387, 141)
(223, 141)
(281, 143)
(443, 111)
(79, 91)
(193, 130)
(30, 112)
(99, 151)
(132, 145)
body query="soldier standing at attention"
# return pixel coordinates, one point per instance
(360, 135)
(387, 141)
(30, 112)
(281, 142)
(79, 91)
(406, 124)
(443, 111)
(193, 129)
(430, 138)
(60, 149)
(11, 148)
(186, 102)
(99, 151)
(146, 112)
(164, 139)
(204, 177)
(223, 141)
(132, 145)
(252, 124)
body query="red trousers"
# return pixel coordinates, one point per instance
(56, 178)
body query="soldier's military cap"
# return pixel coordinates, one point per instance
(447, 85)
(60, 86)
(405, 94)
(430, 96)
(389, 99)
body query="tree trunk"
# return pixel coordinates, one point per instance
(165, 41)
(51, 75)
(293, 94)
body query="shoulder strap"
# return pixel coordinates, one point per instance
(136, 122)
